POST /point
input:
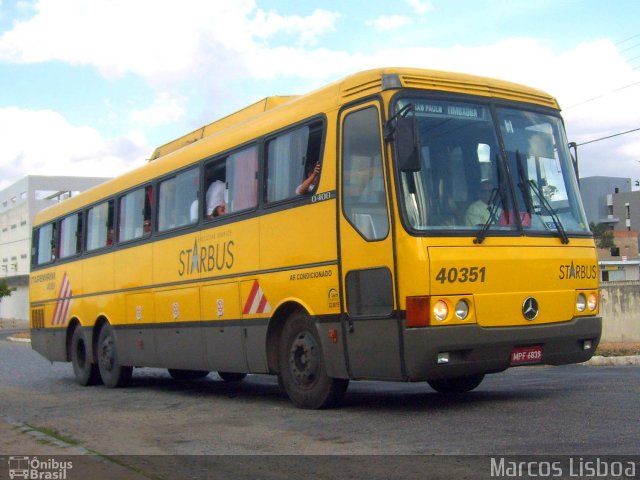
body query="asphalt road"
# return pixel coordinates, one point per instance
(569, 410)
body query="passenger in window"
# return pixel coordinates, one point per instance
(216, 205)
(310, 183)
(478, 212)
(193, 211)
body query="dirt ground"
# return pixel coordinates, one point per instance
(609, 349)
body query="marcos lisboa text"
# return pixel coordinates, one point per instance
(578, 467)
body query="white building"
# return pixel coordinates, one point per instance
(18, 205)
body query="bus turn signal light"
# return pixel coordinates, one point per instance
(418, 311)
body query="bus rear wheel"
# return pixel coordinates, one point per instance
(302, 370)
(179, 374)
(113, 374)
(457, 385)
(86, 372)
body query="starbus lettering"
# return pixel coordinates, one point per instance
(579, 272)
(206, 258)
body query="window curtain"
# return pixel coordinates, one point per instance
(242, 178)
(286, 164)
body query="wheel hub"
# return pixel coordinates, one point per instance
(106, 355)
(303, 359)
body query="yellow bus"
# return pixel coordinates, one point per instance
(400, 224)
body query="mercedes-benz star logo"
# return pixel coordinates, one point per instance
(530, 308)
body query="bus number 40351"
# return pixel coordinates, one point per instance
(461, 275)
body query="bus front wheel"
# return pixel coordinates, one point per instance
(457, 385)
(113, 374)
(302, 371)
(85, 371)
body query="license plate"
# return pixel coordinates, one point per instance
(526, 355)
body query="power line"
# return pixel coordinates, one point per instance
(609, 136)
(627, 39)
(602, 95)
(630, 48)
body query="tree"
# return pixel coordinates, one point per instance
(5, 291)
(602, 235)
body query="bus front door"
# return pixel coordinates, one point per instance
(366, 250)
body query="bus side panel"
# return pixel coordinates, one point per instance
(98, 278)
(223, 331)
(305, 239)
(50, 343)
(137, 339)
(179, 337)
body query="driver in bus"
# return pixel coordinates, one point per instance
(478, 212)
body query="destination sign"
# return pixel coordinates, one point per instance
(465, 111)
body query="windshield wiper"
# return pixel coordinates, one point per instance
(494, 199)
(498, 194)
(529, 185)
(550, 210)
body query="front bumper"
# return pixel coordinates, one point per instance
(474, 349)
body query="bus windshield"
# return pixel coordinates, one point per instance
(463, 180)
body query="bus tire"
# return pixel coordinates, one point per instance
(457, 385)
(113, 374)
(302, 368)
(179, 374)
(232, 376)
(85, 371)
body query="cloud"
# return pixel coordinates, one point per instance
(42, 142)
(231, 53)
(420, 6)
(152, 38)
(309, 29)
(390, 22)
(167, 108)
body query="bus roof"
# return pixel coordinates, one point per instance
(272, 113)
(220, 124)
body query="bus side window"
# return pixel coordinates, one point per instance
(364, 199)
(134, 215)
(100, 226)
(177, 196)
(242, 179)
(70, 236)
(44, 245)
(291, 158)
(215, 199)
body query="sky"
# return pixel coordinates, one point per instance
(91, 87)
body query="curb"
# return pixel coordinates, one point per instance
(613, 361)
(43, 437)
(19, 340)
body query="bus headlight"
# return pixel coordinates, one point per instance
(440, 311)
(592, 301)
(581, 302)
(462, 310)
